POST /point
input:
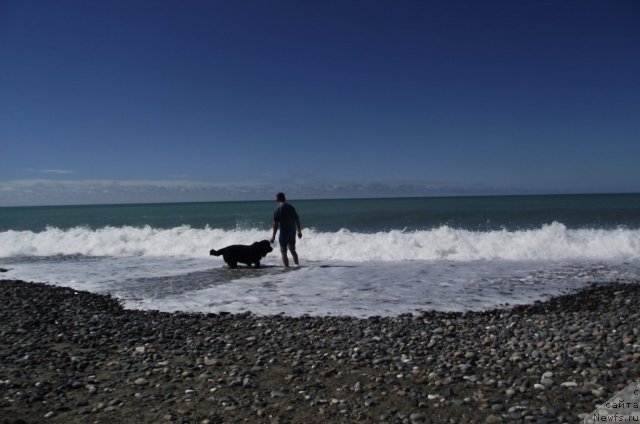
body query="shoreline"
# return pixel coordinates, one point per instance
(72, 356)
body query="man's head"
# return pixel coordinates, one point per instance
(280, 197)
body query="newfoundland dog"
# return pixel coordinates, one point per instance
(244, 254)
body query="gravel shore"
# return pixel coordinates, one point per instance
(76, 357)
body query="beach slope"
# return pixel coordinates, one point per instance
(76, 357)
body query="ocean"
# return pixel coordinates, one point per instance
(359, 257)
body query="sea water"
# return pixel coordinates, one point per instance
(359, 257)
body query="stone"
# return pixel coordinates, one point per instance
(211, 361)
(546, 379)
(569, 384)
(417, 417)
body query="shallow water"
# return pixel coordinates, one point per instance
(318, 288)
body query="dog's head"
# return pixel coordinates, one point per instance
(263, 247)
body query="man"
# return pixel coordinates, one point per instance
(286, 219)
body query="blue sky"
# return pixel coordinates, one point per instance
(213, 100)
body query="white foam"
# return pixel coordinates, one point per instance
(122, 241)
(344, 273)
(387, 289)
(550, 242)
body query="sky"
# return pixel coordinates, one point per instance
(134, 101)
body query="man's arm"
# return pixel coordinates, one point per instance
(275, 231)
(299, 228)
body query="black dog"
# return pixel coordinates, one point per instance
(244, 254)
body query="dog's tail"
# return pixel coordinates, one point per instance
(214, 252)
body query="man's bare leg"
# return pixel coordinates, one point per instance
(285, 259)
(295, 257)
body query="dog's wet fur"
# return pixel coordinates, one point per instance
(240, 253)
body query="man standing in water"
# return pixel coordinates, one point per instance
(286, 219)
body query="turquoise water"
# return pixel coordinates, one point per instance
(359, 215)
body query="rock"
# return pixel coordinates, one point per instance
(516, 357)
(546, 379)
(569, 384)
(211, 361)
(141, 381)
(417, 417)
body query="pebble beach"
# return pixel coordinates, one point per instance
(76, 357)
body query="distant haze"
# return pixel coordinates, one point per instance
(67, 192)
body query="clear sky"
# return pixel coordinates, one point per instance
(208, 100)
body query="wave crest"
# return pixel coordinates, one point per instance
(550, 242)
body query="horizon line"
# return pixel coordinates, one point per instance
(533, 193)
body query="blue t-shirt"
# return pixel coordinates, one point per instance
(286, 216)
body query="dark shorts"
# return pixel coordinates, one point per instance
(287, 239)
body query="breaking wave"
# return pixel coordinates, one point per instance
(550, 242)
